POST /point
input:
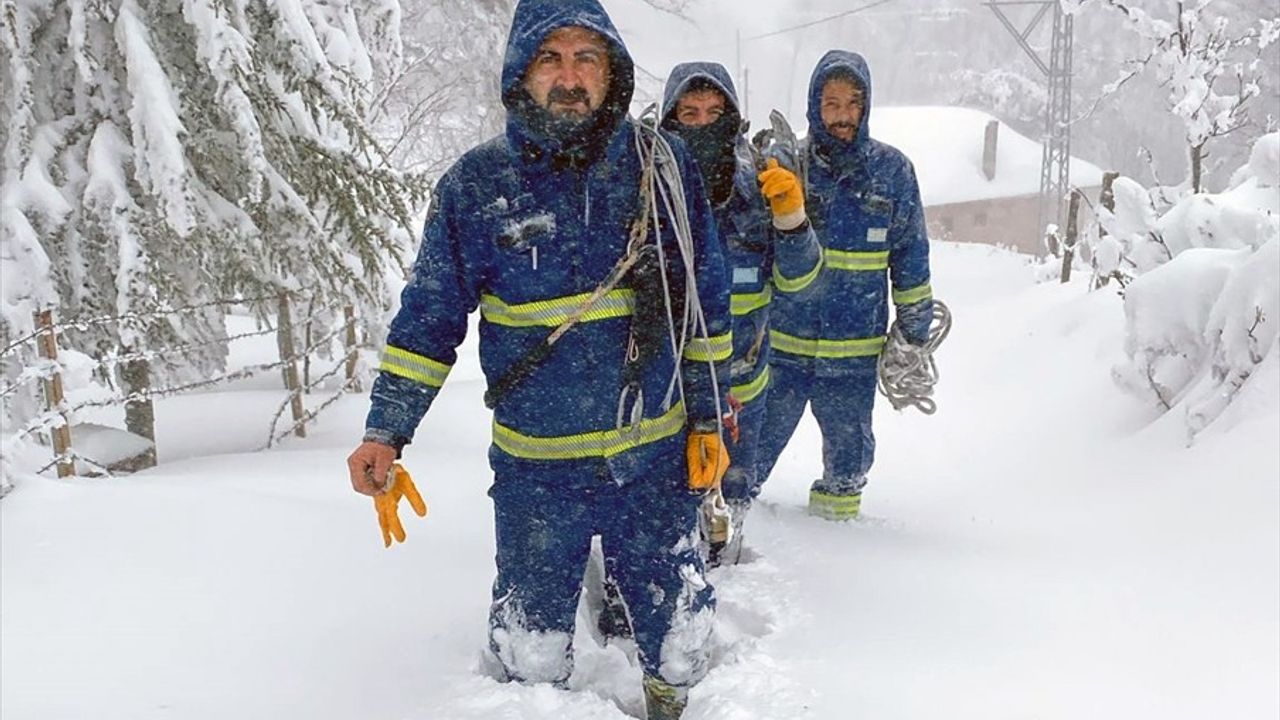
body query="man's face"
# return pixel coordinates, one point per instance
(569, 75)
(697, 108)
(842, 106)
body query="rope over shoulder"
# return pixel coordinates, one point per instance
(908, 373)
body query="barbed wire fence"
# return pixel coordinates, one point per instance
(37, 353)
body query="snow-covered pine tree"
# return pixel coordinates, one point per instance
(160, 154)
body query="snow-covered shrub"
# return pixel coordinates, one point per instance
(1199, 325)
(1132, 243)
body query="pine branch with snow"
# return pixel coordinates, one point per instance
(165, 154)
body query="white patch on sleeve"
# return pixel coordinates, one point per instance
(877, 235)
(746, 275)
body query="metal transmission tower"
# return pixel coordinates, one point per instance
(1056, 160)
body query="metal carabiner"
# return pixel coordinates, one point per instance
(630, 426)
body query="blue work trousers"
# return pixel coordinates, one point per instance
(841, 405)
(545, 521)
(742, 481)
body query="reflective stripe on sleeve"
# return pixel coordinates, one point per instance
(421, 368)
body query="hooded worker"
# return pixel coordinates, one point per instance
(864, 204)
(769, 247)
(554, 232)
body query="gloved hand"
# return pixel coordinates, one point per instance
(782, 189)
(388, 501)
(708, 460)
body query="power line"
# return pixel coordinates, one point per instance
(811, 23)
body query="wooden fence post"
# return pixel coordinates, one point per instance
(284, 338)
(53, 397)
(1073, 234)
(353, 350)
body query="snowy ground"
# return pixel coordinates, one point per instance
(1038, 549)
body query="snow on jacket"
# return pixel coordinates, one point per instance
(864, 203)
(755, 251)
(524, 235)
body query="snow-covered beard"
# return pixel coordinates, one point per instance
(570, 137)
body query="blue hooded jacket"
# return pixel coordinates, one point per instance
(751, 244)
(525, 227)
(864, 203)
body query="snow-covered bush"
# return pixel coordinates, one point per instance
(1199, 325)
(1131, 243)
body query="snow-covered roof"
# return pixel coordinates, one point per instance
(945, 144)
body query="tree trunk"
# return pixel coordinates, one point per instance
(1069, 244)
(1107, 199)
(139, 415)
(353, 350)
(284, 339)
(1197, 166)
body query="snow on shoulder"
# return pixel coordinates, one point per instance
(946, 146)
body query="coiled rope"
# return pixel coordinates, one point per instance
(908, 373)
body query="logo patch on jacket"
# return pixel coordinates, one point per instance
(520, 234)
(877, 235)
(878, 205)
(746, 275)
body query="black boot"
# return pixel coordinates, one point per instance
(613, 621)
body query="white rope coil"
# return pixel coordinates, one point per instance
(908, 373)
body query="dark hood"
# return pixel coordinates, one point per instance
(722, 159)
(685, 73)
(532, 22)
(834, 60)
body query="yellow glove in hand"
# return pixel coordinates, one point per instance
(782, 189)
(387, 504)
(708, 460)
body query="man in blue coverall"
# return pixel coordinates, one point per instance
(765, 251)
(864, 203)
(590, 440)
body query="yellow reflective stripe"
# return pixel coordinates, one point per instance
(835, 507)
(553, 312)
(750, 391)
(912, 295)
(808, 347)
(792, 285)
(747, 303)
(846, 260)
(714, 349)
(421, 368)
(602, 443)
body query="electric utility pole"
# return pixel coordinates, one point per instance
(1055, 162)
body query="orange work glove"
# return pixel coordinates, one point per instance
(782, 189)
(708, 460)
(387, 504)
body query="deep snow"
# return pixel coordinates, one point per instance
(1044, 547)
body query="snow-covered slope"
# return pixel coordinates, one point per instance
(1038, 549)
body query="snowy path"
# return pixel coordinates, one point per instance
(1035, 550)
